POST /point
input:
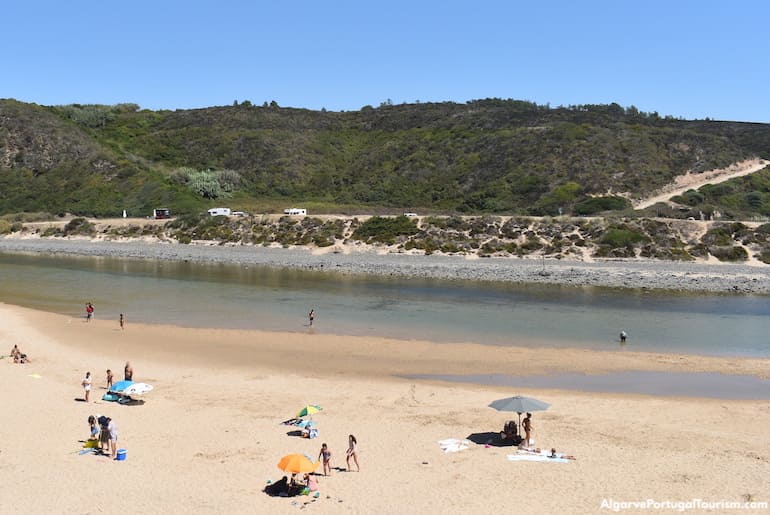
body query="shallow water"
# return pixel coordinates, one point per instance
(237, 296)
(664, 384)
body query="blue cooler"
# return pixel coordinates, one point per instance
(121, 455)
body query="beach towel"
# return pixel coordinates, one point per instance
(541, 456)
(453, 445)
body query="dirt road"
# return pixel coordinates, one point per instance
(693, 181)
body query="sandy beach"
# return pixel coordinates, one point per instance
(209, 436)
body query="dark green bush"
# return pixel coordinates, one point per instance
(79, 226)
(621, 238)
(385, 230)
(594, 205)
(729, 253)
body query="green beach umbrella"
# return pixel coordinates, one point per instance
(309, 410)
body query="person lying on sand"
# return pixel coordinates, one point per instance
(560, 455)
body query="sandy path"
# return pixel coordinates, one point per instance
(693, 181)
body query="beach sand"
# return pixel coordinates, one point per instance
(209, 436)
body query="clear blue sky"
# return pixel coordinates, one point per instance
(688, 58)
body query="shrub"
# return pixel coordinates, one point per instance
(5, 227)
(729, 253)
(598, 204)
(384, 230)
(79, 226)
(621, 238)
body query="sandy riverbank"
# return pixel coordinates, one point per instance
(705, 277)
(209, 436)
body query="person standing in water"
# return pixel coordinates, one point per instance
(121, 320)
(311, 316)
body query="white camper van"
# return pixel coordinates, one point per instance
(219, 211)
(295, 211)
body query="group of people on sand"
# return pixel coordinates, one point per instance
(128, 374)
(18, 356)
(104, 430)
(286, 487)
(289, 487)
(325, 455)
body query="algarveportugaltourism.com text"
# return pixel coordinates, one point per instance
(692, 504)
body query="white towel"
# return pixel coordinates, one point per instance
(536, 457)
(453, 445)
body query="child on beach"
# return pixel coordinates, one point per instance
(326, 455)
(94, 427)
(87, 385)
(109, 378)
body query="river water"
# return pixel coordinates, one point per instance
(255, 297)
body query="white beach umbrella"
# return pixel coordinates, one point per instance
(519, 404)
(137, 389)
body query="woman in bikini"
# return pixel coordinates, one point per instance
(326, 456)
(352, 452)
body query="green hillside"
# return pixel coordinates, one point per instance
(484, 156)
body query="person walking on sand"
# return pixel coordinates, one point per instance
(128, 372)
(89, 311)
(352, 452)
(311, 316)
(326, 456)
(109, 378)
(87, 385)
(121, 320)
(527, 425)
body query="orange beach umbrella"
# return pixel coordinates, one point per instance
(297, 464)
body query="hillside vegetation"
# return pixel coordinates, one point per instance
(485, 156)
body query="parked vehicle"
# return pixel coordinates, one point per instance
(161, 212)
(219, 211)
(295, 211)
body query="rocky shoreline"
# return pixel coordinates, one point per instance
(647, 274)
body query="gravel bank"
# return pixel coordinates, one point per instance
(619, 274)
